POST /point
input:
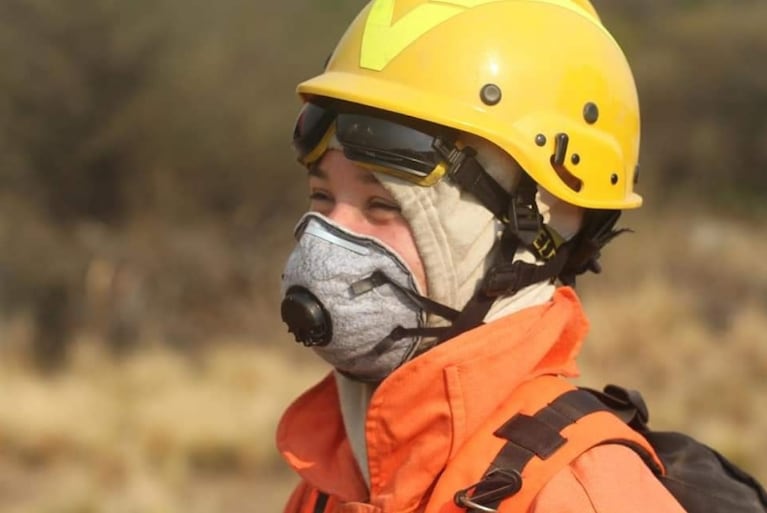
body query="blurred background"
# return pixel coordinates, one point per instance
(147, 197)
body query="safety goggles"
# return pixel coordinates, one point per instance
(378, 143)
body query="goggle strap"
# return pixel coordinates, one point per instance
(468, 174)
(399, 332)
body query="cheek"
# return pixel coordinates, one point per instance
(400, 238)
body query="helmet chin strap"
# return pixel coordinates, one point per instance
(523, 228)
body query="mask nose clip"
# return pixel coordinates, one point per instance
(306, 317)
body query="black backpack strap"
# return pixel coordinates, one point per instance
(627, 404)
(701, 479)
(539, 437)
(321, 502)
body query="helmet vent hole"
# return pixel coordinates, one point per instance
(490, 94)
(614, 178)
(591, 113)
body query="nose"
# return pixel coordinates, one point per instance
(348, 216)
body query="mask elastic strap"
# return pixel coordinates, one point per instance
(398, 333)
(379, 278)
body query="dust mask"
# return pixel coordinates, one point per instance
(352, 299)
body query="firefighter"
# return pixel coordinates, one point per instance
(466, 160)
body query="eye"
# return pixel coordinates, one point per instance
(318, 195)
(321, 201)
(385, 205)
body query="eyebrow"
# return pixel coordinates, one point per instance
(317, 172)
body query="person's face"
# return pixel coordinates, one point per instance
(352, 197)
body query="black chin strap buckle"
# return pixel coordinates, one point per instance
(526, 226)
(524, 218)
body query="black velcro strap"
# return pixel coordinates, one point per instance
(532, 434)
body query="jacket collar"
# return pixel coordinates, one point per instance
(422, 413)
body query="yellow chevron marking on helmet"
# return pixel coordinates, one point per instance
(383, 40)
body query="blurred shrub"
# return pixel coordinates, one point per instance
(144, 153)
(703, 91)
(147, 187)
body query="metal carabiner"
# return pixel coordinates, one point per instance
(462, 499)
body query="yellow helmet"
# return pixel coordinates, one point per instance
(542, 79)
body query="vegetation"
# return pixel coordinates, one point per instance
(147, 196)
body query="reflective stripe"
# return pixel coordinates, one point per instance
(383, 40)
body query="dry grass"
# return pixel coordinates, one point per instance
(159, 432)
(679, 313)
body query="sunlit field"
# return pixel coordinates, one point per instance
(679, 313)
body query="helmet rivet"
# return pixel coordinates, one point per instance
(575, 159)
(540, 140)
(614, 178)
(490, 94)
(591, 113)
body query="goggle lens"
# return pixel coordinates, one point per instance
(383, 145)
(312, 125)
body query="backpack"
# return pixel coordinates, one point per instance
(701, 479)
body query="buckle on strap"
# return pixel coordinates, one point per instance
(494, 486)
(547, 242)
(526, 226)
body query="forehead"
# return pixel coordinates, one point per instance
(335, 167)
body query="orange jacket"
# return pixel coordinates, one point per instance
(442, 405)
